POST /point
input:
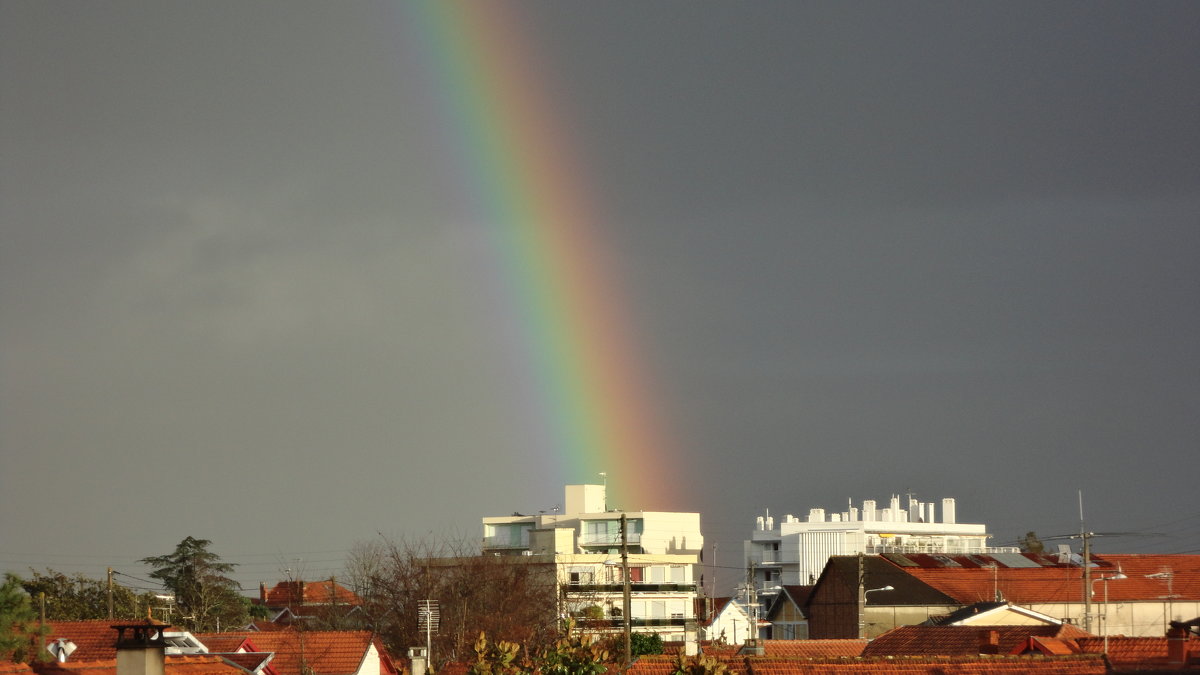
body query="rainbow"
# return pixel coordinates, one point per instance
(589, 405)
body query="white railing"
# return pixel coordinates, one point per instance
(942, 549)
(607, 539)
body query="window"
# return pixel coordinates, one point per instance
(603, 531)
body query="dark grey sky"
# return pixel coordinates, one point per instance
(947, 248)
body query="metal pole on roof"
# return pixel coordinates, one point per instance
(1087, 580)
(862, 596)
(626, 603)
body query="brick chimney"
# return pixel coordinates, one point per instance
(1177, 646)
(140, 648)
(262, 592)
(989, 642)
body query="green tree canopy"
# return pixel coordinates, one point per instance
(79, 597)
(205, 599)
(16, 617)
(641, 644)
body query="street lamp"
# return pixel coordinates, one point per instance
(862, 609)
(1104, 616)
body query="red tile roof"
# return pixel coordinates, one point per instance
(956, 640)
(1019, 585)
(1011, 665)
(286, 593)
(325, 652)
(657, 664)
(1125, 652)
(812, 648)
(251, 661)
(223, 642)
(1048, 646)
(201, 664)
(94, 640)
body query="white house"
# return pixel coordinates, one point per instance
(724, 620)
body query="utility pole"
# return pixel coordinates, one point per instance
(110, 594)
(862, 596)
(627, 603)
(1087, 580)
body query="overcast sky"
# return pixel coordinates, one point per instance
(942, 248)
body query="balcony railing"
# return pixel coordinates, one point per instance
(634, 622)
(635, 587)
(608, 539)
(940, 549)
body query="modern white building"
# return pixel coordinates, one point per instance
(793, 552)
(584, 543)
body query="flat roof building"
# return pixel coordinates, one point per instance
(793, 552)
(584, 543)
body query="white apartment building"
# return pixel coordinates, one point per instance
(793, 552)
(584, 544)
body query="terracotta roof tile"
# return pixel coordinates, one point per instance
(94, 640)
(222, 643)
(812, 648)
(953, 640)
(1124, 652)
(1014, 665)
(286, 593)
(200, 664)
(657, 664)
(325, 652)
(1062, 583)
(1050, 646)
(250, 661)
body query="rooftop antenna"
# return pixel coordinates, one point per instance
(604, 477)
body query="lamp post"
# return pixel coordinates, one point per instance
(1104, 616)
(862, 615)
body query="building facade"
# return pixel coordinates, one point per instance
(793, 552)
(584, 543)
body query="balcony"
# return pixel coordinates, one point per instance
(634, 622)
(608, 540)
(504, 543)
(634, 587)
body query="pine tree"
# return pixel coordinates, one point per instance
(205, 598)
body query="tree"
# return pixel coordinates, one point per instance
(641, 644)
(513, 599)
(205, 598)
(78, 597)
(575, 654)
(16, 619)
(701, 664)
(1031, 544)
